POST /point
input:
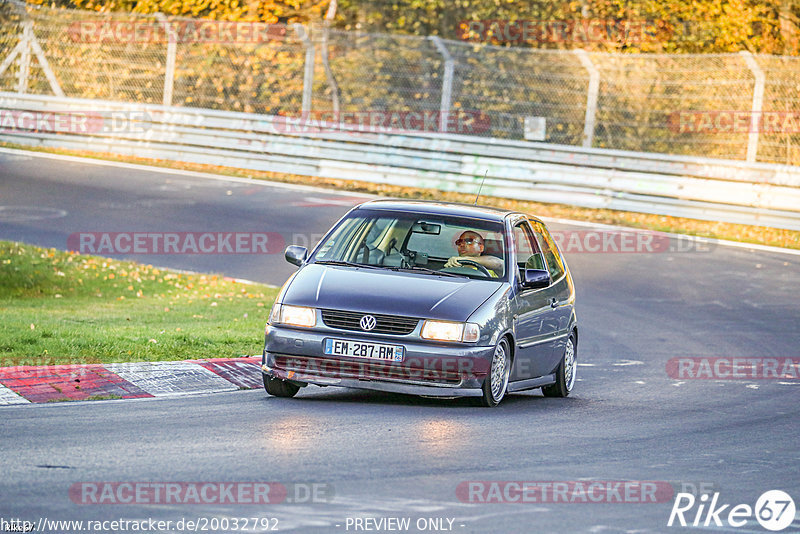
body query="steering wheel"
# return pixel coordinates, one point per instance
(478, 266)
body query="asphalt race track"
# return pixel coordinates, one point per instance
(343, 454)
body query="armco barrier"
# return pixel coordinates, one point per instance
(700, 188)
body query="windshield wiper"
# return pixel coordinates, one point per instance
(346, 264)
(426, 270)
(411, 268)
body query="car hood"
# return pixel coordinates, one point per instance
(388, 292)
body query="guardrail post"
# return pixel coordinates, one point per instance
(591, 97)
(447, 82)
(308, 71)
(172, 48)
(758, 102)
(25, 57)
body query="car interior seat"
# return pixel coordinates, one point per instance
(493, 247)
(393, 257)
(370, 255)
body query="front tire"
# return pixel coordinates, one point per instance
(279, 388)
(496, 383)
(565, 374)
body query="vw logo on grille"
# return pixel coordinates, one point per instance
(367, 322)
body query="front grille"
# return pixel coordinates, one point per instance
(384, 324)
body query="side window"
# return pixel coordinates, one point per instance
(333, 248)
(552, 256)
(528, 253)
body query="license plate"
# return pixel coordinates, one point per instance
(358, 349)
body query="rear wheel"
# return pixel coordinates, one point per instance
(496, 383)
(279, 388)
(565, 374)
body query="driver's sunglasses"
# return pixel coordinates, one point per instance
(467, 241)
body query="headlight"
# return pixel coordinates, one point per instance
(275, 314)
(449, 331)
(293, 315)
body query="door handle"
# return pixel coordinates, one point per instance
(553, 302)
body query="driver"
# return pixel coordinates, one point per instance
(470, 247)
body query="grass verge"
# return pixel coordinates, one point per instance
(759, 235)
(62, 307)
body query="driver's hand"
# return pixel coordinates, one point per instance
(452, 262)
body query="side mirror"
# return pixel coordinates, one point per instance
(296, 254)
(535, 279)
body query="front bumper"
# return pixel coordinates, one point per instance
(428, 368)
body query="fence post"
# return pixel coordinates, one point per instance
(591, 97)
(758, 102)
(28, 42)
(447, 82)
(172, 48)
(12, 55)
(308, 71)
(25, 57)
(44, 64)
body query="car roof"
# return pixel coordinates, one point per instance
(436, 207)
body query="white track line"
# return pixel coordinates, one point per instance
(194, 174)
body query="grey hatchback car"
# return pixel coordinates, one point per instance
(426, 298)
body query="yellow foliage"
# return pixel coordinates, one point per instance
(271, 11)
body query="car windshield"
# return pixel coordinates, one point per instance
(416, 242)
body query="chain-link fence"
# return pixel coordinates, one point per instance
(737, 106)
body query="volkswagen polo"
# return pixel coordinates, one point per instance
(426, 298)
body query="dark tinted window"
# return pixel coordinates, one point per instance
(528, 254)
(555, 264)
(395, 239)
